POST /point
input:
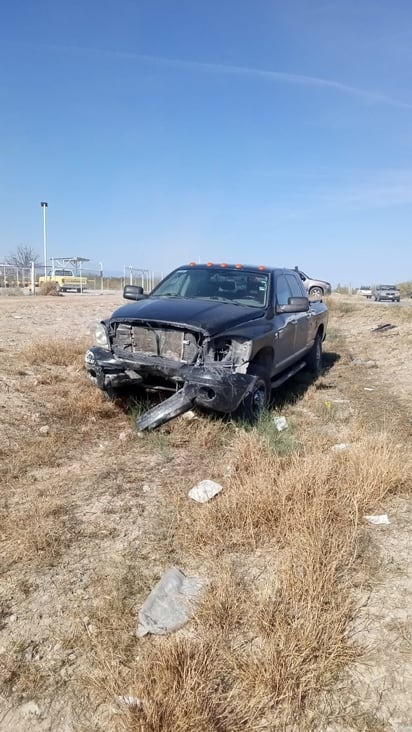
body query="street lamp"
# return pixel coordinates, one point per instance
(44, 205)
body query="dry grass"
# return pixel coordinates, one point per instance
(281, 547)
(55, 352)
(48, 288)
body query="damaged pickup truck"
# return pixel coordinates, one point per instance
(217, 336)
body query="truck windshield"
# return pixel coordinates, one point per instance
(239, 287)
(387, 287)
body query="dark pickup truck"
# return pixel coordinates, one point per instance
(218, 336)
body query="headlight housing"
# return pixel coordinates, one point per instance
(100, 335)
(234, 352)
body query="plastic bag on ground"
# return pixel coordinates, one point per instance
(170, 603)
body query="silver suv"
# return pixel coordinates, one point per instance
(314, 288)
(386, 292)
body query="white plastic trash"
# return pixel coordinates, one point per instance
(378, 519)
(340, 447)
(280, 423)
(204, 491)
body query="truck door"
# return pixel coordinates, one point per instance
(285, 325)
(303, 320)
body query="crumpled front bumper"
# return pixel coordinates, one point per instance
(214, 387)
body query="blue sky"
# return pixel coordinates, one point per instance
(161, 131)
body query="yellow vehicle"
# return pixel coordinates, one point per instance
(65, 280)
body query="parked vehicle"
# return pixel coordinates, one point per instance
(314, 288)
(366, 291)
(218, 336)
(386, 292)
(65, 280)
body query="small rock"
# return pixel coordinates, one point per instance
(30, 709)
(44, 430)
(12, 618)
(123, 436)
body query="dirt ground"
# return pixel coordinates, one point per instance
(77, 504)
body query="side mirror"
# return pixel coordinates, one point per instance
(295, 305)
(133, 292)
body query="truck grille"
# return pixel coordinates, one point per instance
(178, 345)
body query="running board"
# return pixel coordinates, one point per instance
(288, 374)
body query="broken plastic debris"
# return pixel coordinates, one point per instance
(280, 423)
(378, 519)
(204, 491)
(170, 603)
(339, 447)
(328, 404)
(383, 327)
(368, 388)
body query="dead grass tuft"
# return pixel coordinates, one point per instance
(48, 288)
(55, 352)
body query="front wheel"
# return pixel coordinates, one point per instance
(314, 357)
(255, 403)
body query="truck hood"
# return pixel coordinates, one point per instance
(207, 316)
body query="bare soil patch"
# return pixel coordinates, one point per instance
(306, 622)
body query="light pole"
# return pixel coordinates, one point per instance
(44, 205)
(101, 277)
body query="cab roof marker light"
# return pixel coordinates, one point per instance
(223, 264)
(192, 264)
(238, 266)
(210, 264)
(261, 266)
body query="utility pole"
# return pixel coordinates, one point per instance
(44, 205)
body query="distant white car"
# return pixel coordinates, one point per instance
(366, 291)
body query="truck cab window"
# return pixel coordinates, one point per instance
(283, 292)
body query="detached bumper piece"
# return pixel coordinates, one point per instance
(177, 404)
(222, 392)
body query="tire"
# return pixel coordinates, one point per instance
(314, 357)
(316, 292)
(255, 403)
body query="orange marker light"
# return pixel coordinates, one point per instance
(210, 264)
(223, 264)
(238, 266)
(192, 264)
(261, 267)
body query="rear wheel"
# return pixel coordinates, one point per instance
(255, 403)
